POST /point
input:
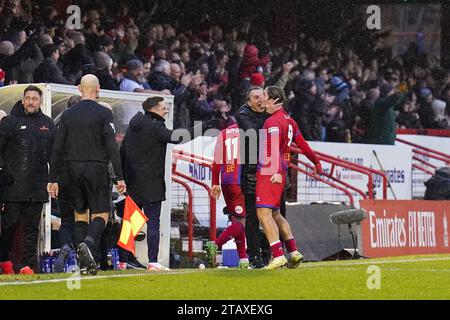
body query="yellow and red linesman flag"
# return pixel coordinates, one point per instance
(132, 222)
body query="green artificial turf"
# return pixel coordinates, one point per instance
(425, 277)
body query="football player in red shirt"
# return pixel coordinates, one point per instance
(280, 130)
(227, 165)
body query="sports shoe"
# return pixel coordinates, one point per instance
(244, 264)
(133, 263)
(60, 261)
(86, 259)
(295, 260)
(156, 266)
(26, 270)
(7, 267)
(211, 253)
(256, 263)
(277, 263)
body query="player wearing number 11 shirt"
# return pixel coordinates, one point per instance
(280, 130)
(227, 169)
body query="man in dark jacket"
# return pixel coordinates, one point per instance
(48, 70)
(143, 153)
(25, 144)
(250, 118)
(382, 116)
(21, 65)
(78, 61)
(307, 109)
(160, 78)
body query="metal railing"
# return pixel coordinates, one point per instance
(337, 162)
(190, 158)
(190, 215)
(422, 168)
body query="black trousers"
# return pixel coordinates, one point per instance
(29, 213)
(67, 216)
(257, 244)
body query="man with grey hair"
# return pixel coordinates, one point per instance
(103, 67)
(162, 66)
(160, 78)
(6, 48)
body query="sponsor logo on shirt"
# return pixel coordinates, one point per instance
(273, 129)
(238, 209)
(229, 168)
(23, 127)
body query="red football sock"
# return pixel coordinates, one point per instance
(240, 244)
(290, 245)
(232, 231)
(277, 249)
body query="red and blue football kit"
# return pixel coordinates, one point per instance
(227, 165)
(275, 155)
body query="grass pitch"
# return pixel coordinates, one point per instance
(413, 277)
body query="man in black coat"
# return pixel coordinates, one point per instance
(84, 145)
(143, 153)
(250, 118)
(48, 70)
(25, 144)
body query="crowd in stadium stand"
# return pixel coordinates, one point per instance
(347, 89)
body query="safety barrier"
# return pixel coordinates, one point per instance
(422, 168)
(337, 162)
(190, 158)
(190, 215)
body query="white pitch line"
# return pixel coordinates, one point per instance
(348, 268)
(303, 266)
(369, 261)
(22, 283)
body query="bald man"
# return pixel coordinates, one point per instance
(84, 144)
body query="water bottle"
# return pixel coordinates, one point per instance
(47, 264)
(71, 261)
(52, 263)
(42, 264)
(115, 258)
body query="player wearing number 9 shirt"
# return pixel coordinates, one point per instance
(280, 130)
(227, 167)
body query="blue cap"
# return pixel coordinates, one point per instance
(424, 92)
(338, 83)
